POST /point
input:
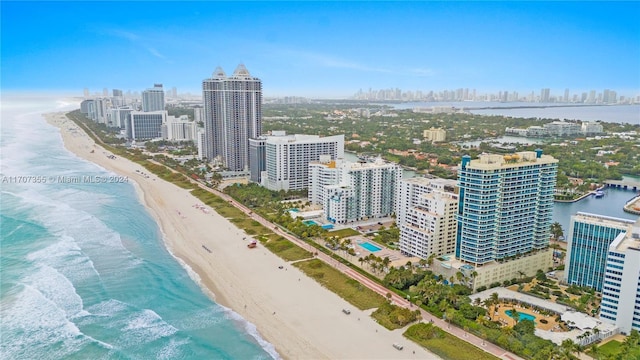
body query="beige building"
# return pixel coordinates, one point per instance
(495, 271)
(435, 135)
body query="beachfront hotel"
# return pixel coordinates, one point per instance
(285, 158)
(180, 129)
(426, 216)
(350, 191)
(232, 116)
(590, 237)
(153, 99)
(620, 303)
(145, 125)
(504, 216)
(119, 116)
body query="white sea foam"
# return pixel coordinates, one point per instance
(248, 327)
(47, 325)
(253, 331)
(57, 289)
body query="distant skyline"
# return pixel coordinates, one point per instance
(322, 49)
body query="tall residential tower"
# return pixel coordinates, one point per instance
(232, 115)
(153, 99)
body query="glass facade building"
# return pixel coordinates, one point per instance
(588, 244)
(506, 205)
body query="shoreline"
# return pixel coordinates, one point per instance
(294, 313)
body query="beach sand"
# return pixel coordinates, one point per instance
(299, 317)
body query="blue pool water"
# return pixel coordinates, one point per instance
(522, 316)
(369, 246)
(309, 222)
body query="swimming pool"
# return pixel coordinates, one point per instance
(310, 222)
(369, 246)
(521, 316)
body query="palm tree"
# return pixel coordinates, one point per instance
(594, 351)
(556, 230)
(495, 299)
(515, 316)
(567, 348)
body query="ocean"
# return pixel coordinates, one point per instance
(84, 270)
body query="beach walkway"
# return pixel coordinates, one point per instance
(395, 298)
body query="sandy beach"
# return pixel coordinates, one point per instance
(299, 317)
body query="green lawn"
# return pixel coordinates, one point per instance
(352, 291)
(444, 345)
(612, 350)
(286, 249)
(342, 233)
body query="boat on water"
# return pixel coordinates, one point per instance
(599, 194)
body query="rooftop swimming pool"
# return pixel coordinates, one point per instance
(369, 246)
(521, 316)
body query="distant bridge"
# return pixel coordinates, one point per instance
(632, 185)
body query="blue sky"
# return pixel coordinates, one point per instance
(323, 49)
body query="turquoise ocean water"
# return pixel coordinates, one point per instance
(84, 271)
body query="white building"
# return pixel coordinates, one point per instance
(620, 292)
(354, 191)
(100, 111)
(200, 141)
(198, 113)
(562, 128)
(591, 128)
(119, 116)
(180, 129)
(287, 158)
(426, 216)
(435, 135)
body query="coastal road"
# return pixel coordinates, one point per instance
(395, 298)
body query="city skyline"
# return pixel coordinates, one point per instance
(325, 50)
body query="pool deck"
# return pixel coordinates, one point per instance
(501, 316)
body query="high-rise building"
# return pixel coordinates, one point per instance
(179, 129)
(232, 115)
(153, 99)
(589, 239)
(287, 158)
(100, 111)
(145, 125)
(545, 95)
(119, 116)
(117, 100)
(426, 216)
(351, 192)
(506, 205)
(620, 303)
(198, 114)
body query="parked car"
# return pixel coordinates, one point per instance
(346, 311)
